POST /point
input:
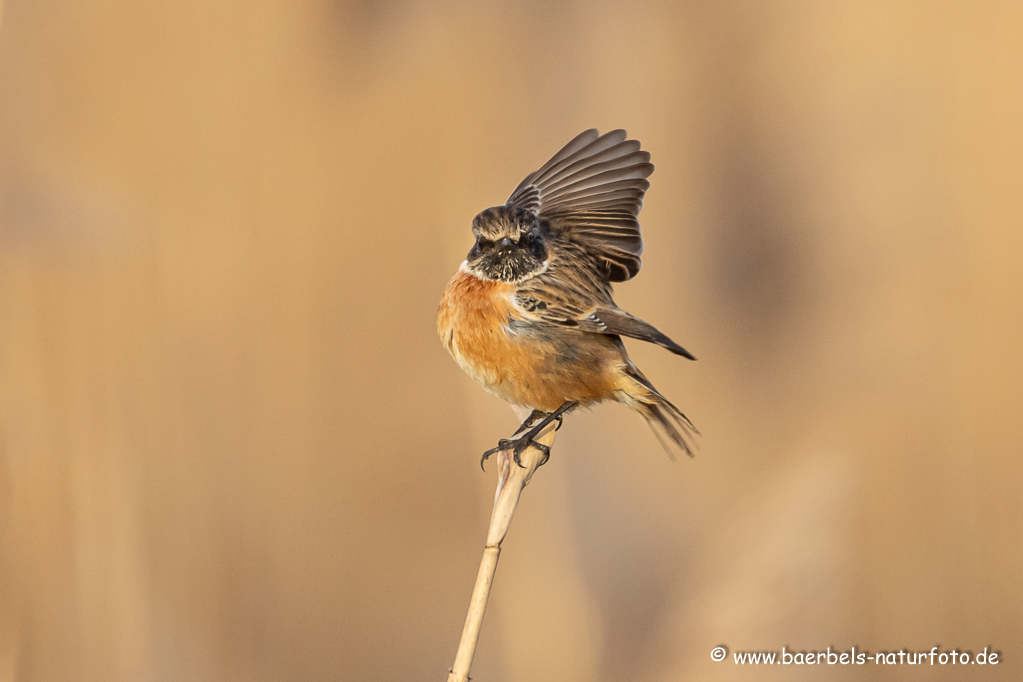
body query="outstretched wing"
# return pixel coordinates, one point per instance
(591, 192)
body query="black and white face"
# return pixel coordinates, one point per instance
(508, 245)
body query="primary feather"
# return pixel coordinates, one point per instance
(591, 193)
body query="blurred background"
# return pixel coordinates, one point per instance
(232, 447)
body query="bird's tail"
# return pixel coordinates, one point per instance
(665, 419)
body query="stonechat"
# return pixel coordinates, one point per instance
(530, 313)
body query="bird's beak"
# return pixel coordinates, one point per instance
(506, 243)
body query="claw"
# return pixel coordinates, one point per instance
(535, 423)
(546, 453)
(525, 442)
(485, 457)
(501, 445)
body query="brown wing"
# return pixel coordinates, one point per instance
(591, 192)
(614, 320)
(570, 296)
(568, 291)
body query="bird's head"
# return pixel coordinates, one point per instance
(509, 246)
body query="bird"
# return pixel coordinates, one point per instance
(530, 315)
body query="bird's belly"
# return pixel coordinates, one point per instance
(521, 364)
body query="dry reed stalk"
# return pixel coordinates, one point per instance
(511, 479)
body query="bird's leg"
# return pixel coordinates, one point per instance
(526, 439)
(519, 445)
(531, 419)
(505, 443)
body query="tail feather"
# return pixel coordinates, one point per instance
(664, 418)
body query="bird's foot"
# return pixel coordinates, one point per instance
(518, 446)
(535, 423)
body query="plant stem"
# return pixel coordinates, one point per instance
(511, 479)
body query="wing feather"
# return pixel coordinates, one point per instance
(617, 321)
(573, 297)
(591, 192)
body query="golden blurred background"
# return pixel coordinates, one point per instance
(233, 449)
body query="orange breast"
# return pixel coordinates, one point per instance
(473, 323)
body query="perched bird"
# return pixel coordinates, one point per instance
(530, 315)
